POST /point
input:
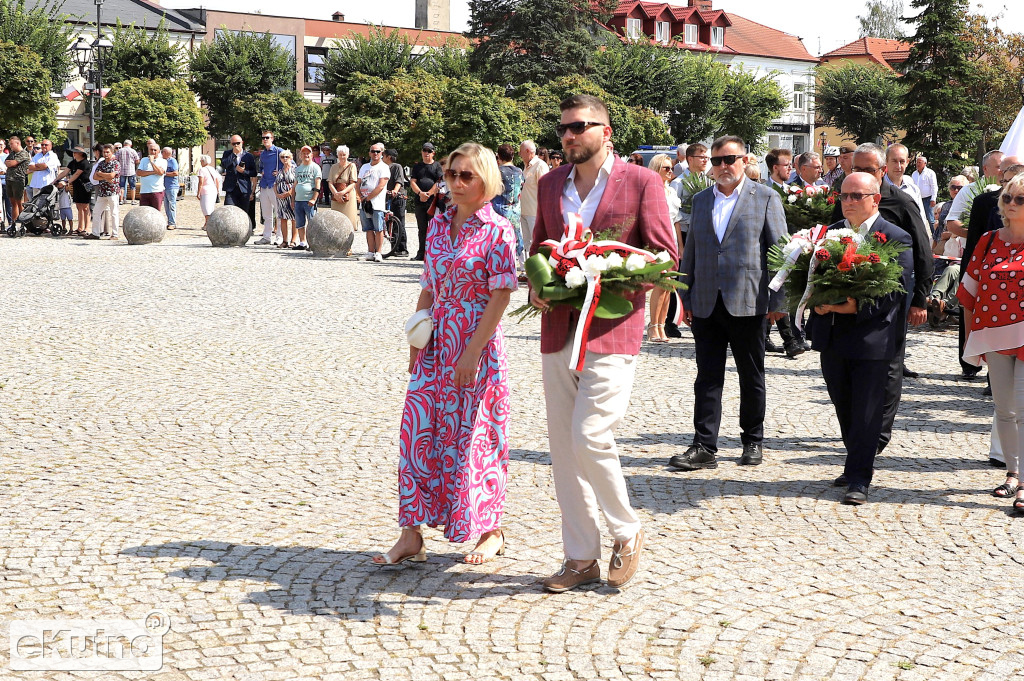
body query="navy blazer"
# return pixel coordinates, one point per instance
(877, 330)
(242, 182)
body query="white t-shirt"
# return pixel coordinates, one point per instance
(370, 176)
(41, 178)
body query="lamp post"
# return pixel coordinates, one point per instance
(90, 58)
(824, 142)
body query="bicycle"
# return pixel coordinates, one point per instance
(392, 225)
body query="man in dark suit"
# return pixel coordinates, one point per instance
(858, 342)
(585, 404)
(725, 262)
(900, 210)
(238, 167)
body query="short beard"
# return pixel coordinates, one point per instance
(580, 155)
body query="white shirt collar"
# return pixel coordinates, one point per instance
(605, 170)
(735, 192)
(865, 226)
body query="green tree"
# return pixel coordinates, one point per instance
(750, 104)
(138, 52)
(939, 112)
(696, 97)
(476, 112)
(631, 126)
(381, 54)
(237, 65)
(450, 59)
(44, 29)
(162, 109)
(26, 105)
(402, 111)
(862, 100)
(999, 60)
(531, 41)
(881, 19)
(294, 120)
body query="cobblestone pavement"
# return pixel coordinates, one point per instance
(213, 433)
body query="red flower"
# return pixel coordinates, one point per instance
(822, 254)
(831, 200)
(564, 266)
(874, 258)
(846, 240)
(880, 237)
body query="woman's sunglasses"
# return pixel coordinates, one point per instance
(464, 175)
(1017, 200)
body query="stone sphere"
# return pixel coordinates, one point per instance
(229, 226)
(144, 225)
(329, 233)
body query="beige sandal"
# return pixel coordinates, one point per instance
(485, 558)
(419, 557)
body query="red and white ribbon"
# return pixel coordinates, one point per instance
(572, 251)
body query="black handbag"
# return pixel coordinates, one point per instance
(367, 206)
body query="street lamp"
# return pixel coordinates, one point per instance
(90, 58)
(824, 141)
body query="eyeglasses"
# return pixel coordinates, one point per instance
(853, 196)
(664, 168)
(869, 171)
(957, 187)
(236, 144)
(727, 160)
(576, 127)
(783, 165)
(464, 175)
(1017, 200)
(700, 158)
(376, 151)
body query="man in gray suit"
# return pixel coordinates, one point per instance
(725, 263)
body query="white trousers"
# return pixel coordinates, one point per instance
(1006, 374)
(106, 210)
(268, 202)
(526, 222)
(583, 409)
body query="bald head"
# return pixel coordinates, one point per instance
(861, 192)
(1006, 163)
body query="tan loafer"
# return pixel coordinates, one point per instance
(567, 579)
(625, 561)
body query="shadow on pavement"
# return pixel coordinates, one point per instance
(306, 580)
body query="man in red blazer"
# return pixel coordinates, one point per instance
(583, 407)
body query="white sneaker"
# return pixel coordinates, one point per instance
(263, 242)
(368, 257)
(377, 257)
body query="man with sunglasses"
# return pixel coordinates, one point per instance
(269, 165)
(583, 407)
(725, 263)
(373, 183)
(858, 343)
(238, 167)
(898, 209)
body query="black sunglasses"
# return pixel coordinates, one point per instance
(1018, 199)
(236, 144)
(727, 160)
(376, 151)
(576, 127)
(853, 196)
(267, 137)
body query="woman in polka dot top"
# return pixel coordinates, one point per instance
(992, 294)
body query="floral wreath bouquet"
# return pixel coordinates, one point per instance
(594, 275)
(807, 207)
(822, 266)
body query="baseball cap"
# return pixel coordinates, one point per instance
(305, 147)
(428, 147)
(847, 148)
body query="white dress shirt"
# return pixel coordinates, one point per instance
(865, 227)
(721, 213)
(586, 208)
(926, 183)
(908, 186)
(41, 178)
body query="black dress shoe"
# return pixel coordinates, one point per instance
(752, 454)
(794, 350)
(856, 495)
(672, 330)
(418, 257)
(806, 346)
(769, 346)
(907, 373)
(694, 458)
(969, 375)
(841, 481)
(996, 463)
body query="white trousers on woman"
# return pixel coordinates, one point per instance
(583, 409)
(106, 211)
(1006, 373)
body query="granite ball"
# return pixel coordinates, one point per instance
(144, 225)
(229, 226)
(330, 233)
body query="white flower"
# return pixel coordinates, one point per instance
(802, 234)
(992, 187)
(792, 198)
(663, 256)
(809, 201)
(635, 262)
(811, 190)
(595, 265)
(614, 260)
(575, 278)
(793, 189)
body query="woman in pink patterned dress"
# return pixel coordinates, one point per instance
(453, 452)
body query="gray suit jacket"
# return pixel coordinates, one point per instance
(737, 268)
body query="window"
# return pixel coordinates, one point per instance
(799, 96)
(664, 32)
(315, 64)
(633, 28)
(691, 34)
(717, 36)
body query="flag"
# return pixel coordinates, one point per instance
(70, 92)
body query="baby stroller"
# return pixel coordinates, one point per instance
(39, 214)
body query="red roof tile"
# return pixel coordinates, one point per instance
(749, 37)
(880, 50)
